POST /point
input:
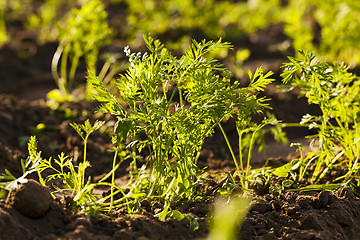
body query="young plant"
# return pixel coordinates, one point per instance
(84, 131)
(85, 31)
(336, 92)
(296, 168)
(72, 176)
(250, 133)
(176, 104)
(29, 165)
(326, 27)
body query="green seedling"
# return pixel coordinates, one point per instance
(326, 27)
(280, 188)
(229, 186)
(336, 92)
(176, 104)
(84, 131)
(28, 166)
(85, 31)
(250, 133)
(73, 177)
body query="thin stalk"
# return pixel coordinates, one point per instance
(110, 75)
(284, 125)
(84, 160)
(336, 158)
(55, 63)
(104, 69)
(181, 97)
(250, 152)
(303, 169)
(229, 146)
(241, 159)
(63, 67)
(118, 190)
(113, 181)
(74, 64)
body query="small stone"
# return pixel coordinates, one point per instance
(30, 198)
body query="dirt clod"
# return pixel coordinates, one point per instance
(311, 221)
(261, 206)
(30, 198)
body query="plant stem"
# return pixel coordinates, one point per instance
(250, 152)
(104, 69)
(241, 159)
(336, 158)
(55, 63)
(229, 146)
(113, 181)
(74, 64)
(63, 67)
(84, 160)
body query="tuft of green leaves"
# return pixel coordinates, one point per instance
(84, 32)
(336, 91)
(176, 103)
(326, 27)
(28, 166)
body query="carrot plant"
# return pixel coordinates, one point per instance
(326, 27)
(79, 193)
(176, 103)
(28, 166)
(336, 91)
(84, 32)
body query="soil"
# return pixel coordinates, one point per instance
(24, 84)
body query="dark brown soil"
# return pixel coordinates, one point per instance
(293, 215)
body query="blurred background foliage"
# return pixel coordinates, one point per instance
(329, 28)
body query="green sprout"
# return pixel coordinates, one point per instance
(85, 31)
(336, 92)
(176, 104)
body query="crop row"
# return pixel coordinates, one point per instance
(178, 102)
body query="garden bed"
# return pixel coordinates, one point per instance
(290, 204)
(294, 215)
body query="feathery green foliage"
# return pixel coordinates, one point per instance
(176, 104)
(336, 92)
(85, 31)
